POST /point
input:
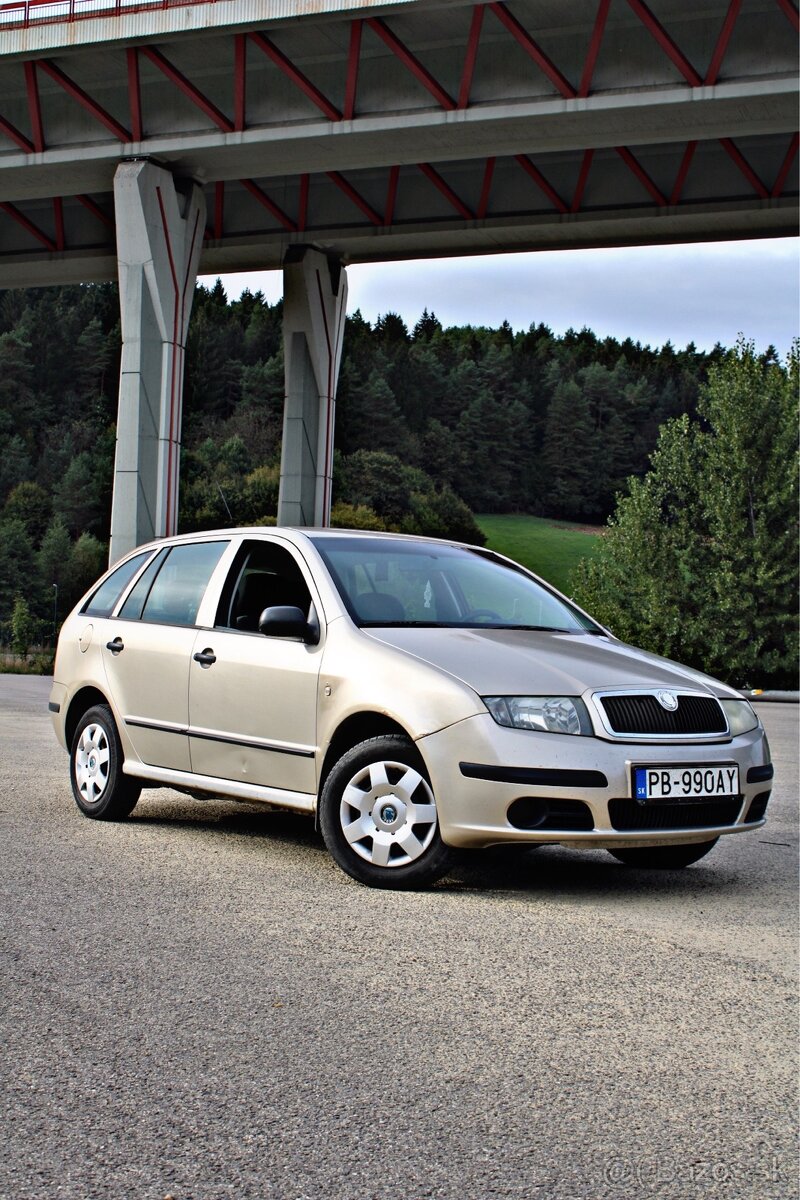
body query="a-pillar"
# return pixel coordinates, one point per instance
(314, 307)
(159, 236)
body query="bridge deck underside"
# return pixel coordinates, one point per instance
(432, 129)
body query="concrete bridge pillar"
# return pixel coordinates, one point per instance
(314, 306)
(159, 237)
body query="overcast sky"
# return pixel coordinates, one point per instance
(705, 293)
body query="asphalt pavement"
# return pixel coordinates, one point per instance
(196, 1003)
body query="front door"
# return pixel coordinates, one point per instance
(253, 709)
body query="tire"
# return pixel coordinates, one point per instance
(664, 858)
(378, 816)
(95, 768)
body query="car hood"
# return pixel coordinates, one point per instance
(517, 662)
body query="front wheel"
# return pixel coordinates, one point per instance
(378, 816)
(95, 768)
(665, 858)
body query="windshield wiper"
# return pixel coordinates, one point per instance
(536, 629)
(400, 624)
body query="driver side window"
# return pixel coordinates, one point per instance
(263, 576)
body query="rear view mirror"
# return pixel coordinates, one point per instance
(287, 621)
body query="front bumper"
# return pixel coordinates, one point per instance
(479, 770)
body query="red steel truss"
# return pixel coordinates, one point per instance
(34, 139)
(378, 26)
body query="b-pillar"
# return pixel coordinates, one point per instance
(314, 307)
(160, 230)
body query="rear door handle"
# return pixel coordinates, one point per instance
(116, 646)
(206, 657)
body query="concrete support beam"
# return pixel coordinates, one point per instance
(159, 238)
(314, 307)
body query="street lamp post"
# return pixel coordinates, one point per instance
(55, 612)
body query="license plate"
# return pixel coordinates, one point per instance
(682, 785)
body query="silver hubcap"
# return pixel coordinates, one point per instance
(388, 814)
(91, 763)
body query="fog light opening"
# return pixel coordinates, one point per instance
(529, 812)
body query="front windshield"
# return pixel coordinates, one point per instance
(388, 582)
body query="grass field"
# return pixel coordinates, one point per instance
(550, 548)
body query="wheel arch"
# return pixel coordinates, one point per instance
(358, 727)
(80, 703)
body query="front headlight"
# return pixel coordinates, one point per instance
(548, 714)
(741, 716)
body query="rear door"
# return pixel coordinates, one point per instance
(253, 709)
(147, 649)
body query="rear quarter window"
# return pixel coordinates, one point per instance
(137, 596)
(103, 601)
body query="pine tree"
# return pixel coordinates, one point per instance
(426, 327)
(15, 465)
(17, 566)
(391, 331)
(22, 627)
(565, 486)
(30, 504)
(54, 557)
(17, 399)
(87, 561)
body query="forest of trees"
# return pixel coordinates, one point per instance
(432, 425)
(510, 422)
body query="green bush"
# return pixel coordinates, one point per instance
(259, 494)
(355, 516)
(404, 498)
(442, 514)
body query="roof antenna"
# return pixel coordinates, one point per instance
(225, 502)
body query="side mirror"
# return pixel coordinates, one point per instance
(287, 621)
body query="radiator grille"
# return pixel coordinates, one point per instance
(642, 715)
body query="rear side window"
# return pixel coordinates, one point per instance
(137, 597)
(104, 599)
(175, 595)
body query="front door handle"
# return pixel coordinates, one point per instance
(116, 646)
(206, 657)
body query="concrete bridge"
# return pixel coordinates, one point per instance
(150, 140)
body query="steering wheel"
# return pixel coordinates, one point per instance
(482, 614)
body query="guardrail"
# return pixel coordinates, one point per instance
(24, 13)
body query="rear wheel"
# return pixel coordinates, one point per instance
(95, 767)
(378, 816)
(665, 858)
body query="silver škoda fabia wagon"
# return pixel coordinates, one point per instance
(417, 696)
